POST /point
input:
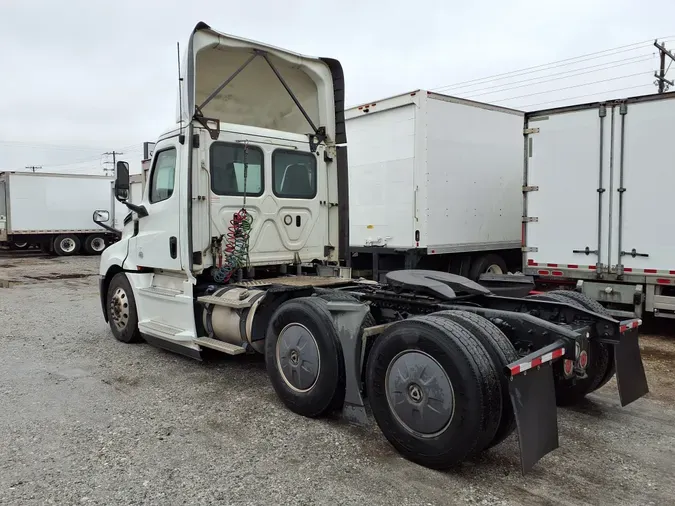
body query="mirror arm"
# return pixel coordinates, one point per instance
(140, 210)
(107, 227)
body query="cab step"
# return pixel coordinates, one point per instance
(222, 346)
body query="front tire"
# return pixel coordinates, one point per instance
(304, 357)
(121, 308)
(433, 391)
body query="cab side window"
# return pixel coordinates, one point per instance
(163, 175)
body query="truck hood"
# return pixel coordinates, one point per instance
(255, 96)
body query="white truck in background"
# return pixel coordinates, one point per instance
(54, 211)
(598, 184)
(435, 182)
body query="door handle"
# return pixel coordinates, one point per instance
(173, 247)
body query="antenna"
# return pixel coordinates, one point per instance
(181, 136)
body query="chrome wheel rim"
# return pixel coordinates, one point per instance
(494, 269)
(119, 309)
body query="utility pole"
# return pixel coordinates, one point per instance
(33, 167)
(661, 80)
(114, 160)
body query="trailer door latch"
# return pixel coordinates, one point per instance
(586, 251)
(634, 253)
(530, 219)
(530, 189)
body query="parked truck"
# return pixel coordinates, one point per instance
(54, 212)
(598, 180)
(435, 182)
(239, 245)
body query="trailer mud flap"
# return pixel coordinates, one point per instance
(533, 399)
(630, 372)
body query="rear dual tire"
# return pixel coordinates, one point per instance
(434, 390)
(600, 367)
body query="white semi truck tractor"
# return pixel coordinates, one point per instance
(239, 243)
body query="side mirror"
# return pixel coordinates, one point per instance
(122, 181)
(101, 216)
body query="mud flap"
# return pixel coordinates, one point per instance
(533, 399)
(630, 373)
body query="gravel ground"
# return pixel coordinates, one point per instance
(85, 419)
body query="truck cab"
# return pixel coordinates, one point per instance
(244, 184)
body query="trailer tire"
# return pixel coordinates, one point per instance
(321, 390)
(94, 244)
(66, 245)
(501, 352)
(569, 392)
(460, 375)
(490, 263)
(596, 307)
(121, 308)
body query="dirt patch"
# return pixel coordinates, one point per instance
(650, 353)
(7, 266)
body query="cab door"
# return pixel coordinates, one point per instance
(156, 243)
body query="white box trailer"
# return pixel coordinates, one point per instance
(55, 211)
(599, 179)
(434, 182)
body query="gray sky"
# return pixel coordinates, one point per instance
(85, 76)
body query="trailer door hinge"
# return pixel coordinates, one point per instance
(530, 189)
(529, 131)
(530, 219)
(529, 249)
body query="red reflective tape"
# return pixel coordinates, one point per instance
(546, 357)
(628, 269)
(592, 267)
(551, 265)
(629, 325)
(572, 266)
(663, 281)
(672, 272)
(360, 107)
(530, 262)
(650, 271)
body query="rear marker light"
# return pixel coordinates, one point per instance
(557, 273)
(547, 357)
(568, 367)
(583, 359)
(543, 273)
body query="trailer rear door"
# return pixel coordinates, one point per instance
(381, 154)
(643, 185)
(566, 163)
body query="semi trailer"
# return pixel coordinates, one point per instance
(240, 244)
(435, 182)
(610, 241)
(53, 211)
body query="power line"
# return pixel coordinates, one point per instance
(530, 83)
(547, 66)
(573, 86)
(579, 96)
(60, 147)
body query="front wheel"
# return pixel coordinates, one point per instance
(121, 308)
